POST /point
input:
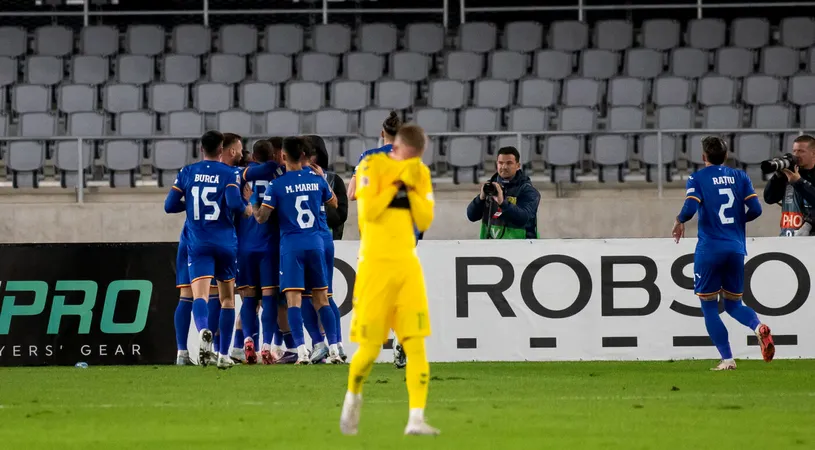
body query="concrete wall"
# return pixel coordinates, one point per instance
(117, 217)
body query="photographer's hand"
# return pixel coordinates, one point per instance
(499, 199)
(482, 196)
(792, 176)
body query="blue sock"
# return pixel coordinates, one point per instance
(199, 313)
(716, 329)
(310, 321)
(743, 314)
(279, 337)
(337, 318)
(329, 323)
(296, 325)
(182, 321)
(237, 341)
(226, 325)
(249, 317)
(213, 319)
(256, 330)
(268, 317)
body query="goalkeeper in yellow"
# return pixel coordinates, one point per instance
(394, 192)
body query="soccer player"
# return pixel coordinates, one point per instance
(395, 195)
(210, 190)
(183, 312)
(726, 201)
(298, 196)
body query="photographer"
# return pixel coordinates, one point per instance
(793, 186)
(508, 204)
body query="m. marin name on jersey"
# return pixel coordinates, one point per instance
(302, 187)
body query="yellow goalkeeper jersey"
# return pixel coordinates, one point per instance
(387, 214)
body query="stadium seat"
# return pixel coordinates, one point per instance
(377, 38)
(476, 120)
(118, 98)
(66, 161)
(689, 62)
(734, 62)
(761, 90)
(370, 125)
(13, 42)
(751, 149)
(614, 35)
(568, 35)
(538, 93)
(581, 92)
(716, 90)
(779, 61)
(626, 91)
(365, 67)
(167, 97)
(463, 66)
(507, 65)
(185, 123)
(643, 63)
(145, 40)
(798, 32)
(409, 66)
(524, 37)
(492, 94)
(772, 116)
(350, 95)
(169, 156)
(238, 39)
(610, 153)
(479, 37)
(135, 123)
(332, 38)
(331, 121)
(284, 39)
(722, 117)
(122, 159)
(660, 34)
(73, 98)
(92, 70)
(135, 69)
(8, 72)
(226, 68)
(212, 97)
(447, 94)
(282, 122)
(193, 40)
(807, 115)
(258, 97)
(526, 119)
(235, 121)
(317, 67)
(706, 34)
(27, 98)
(750, 33)
(305, 96)
(273, 68)
(801, 90)
(671, 91)
(553, 64)
(394, 94)
(181, 69)
(25, 159)
(354, 148)
(599, 64)
(465, 156)
(53, 40)
(45, 70)
(99, 40)
(427, 38)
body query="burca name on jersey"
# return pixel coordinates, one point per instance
(203, 178)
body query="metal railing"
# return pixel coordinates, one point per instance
(660, 133)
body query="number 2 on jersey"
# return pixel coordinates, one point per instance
(305, 218)
(203, 196)
(730, 199)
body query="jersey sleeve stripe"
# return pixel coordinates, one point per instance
(333, 196)
(268, 206)
(233, 184)
(244, 173)
(178, 189)
(751, 196)
(695, 198)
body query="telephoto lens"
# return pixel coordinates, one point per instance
(776, 164)
(490, 189)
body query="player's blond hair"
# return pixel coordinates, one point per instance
(413, 136)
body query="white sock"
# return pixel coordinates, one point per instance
(350, 397)
(332, 349)
(417, 415)
(729, 361)
(302, 351)
(183, 353)
(757, 328)
(264, 347)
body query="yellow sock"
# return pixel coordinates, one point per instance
(418, 372)
(361, 364)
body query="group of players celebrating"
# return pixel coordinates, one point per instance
(261, 225)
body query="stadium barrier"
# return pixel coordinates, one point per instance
(620, 299)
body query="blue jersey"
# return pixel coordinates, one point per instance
(722, 193)
(254, 236)
(297, 197)
(384, 149)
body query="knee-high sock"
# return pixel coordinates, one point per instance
(278, 338)
(743, 314)
(227, 325)
(248, 316)
(361, 364)
(237, 341)
(310, 321)
(286, 338)
(213, 319)
(182, 321)
(329, 323)
(417, 374)
(715, 329)
(200, 314)
(296, 325)
(268, 317)
(337, 318)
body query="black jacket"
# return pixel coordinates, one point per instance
(336, 217)
(777, 185)
(519, 213)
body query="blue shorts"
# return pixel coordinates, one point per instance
(301, 268)
(258, 269)
(328, 245)
(208, 261)
(182, 272)
(717, 272)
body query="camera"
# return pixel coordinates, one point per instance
(490, 190)
(774, 165)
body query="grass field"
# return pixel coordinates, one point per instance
(608, 405)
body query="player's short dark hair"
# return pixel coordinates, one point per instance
(392, 124)
(211, 142)
(262, 151)
(277, 143)
(294, 148)
(715, 149)
(413, 136)
(230, 139)
(805, 139)
(318, 145)
(244, 158)
(510, 151)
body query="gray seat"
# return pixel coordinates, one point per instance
(427, 38)
(318, 67)
(716, 90)
(528, 119)
(366, 67)
(432, 120)
(194, 40)
(464, 66)
(808, 116)
(480, 120)
(553, 64)
(492, 94)
(135, 69)
(8, 72)
(145, 40)
(539, 93)
(47, 70)
(370, 124)
(235, 121)
(167, 97)
(53, 40)
(507, 65)
(169, 156)
(447, 94)
(625, 118)
(752, 148)
(689, 62)
(577, 118)
(660, 34)
(772, 116)
(258, 97)
(798, 32)
(614, 35)
(273, 68)
(355, 147)
(674, 117)
(13, 42)
(212, 97)
(230, 69)
(479, 37)
(181, 69)
(119, 98)
(332, 38)
(568, 35)
(722, 117)
(524, 37)
(761, 90)
(694, 146)
(649, 151)
(185, 123)
(66, 161)
(73, 98)
(238, 39)
(86, 124)
(37, 124)
(3, 125)
(752, 33)
(305, 96)
(779, 61)
(563, 152)
(734, 62)
(581, 92)
(122, 158)
(643, 63)
(627, 91)
(136, 123)
(610, 154)
(599, 64)
(409, 66)
(284, 39)
(707, 34)
(25, 159)
(331, 121)
(394, 94)
(28, 98)
(92, 70)
(99, 40)
(282, 122)
(802, 90)
(671, 91)
(465, 155)
(377, 38)
(350, 95)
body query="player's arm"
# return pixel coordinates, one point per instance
(265, 171)
(373, 199)
(751, 201)
(328, 197)
(421, 198)
(263, 213)
(174, 203)
(234, 199)
(693, 198)
(352, 185)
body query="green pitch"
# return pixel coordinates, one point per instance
(603, 405)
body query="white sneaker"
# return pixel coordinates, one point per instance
(334, 355)
(237, 355)
(277, 352)
(205, 353)
(224, 362)
(351, 408)
(303, 358)
(726, 364)
(420, 428)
